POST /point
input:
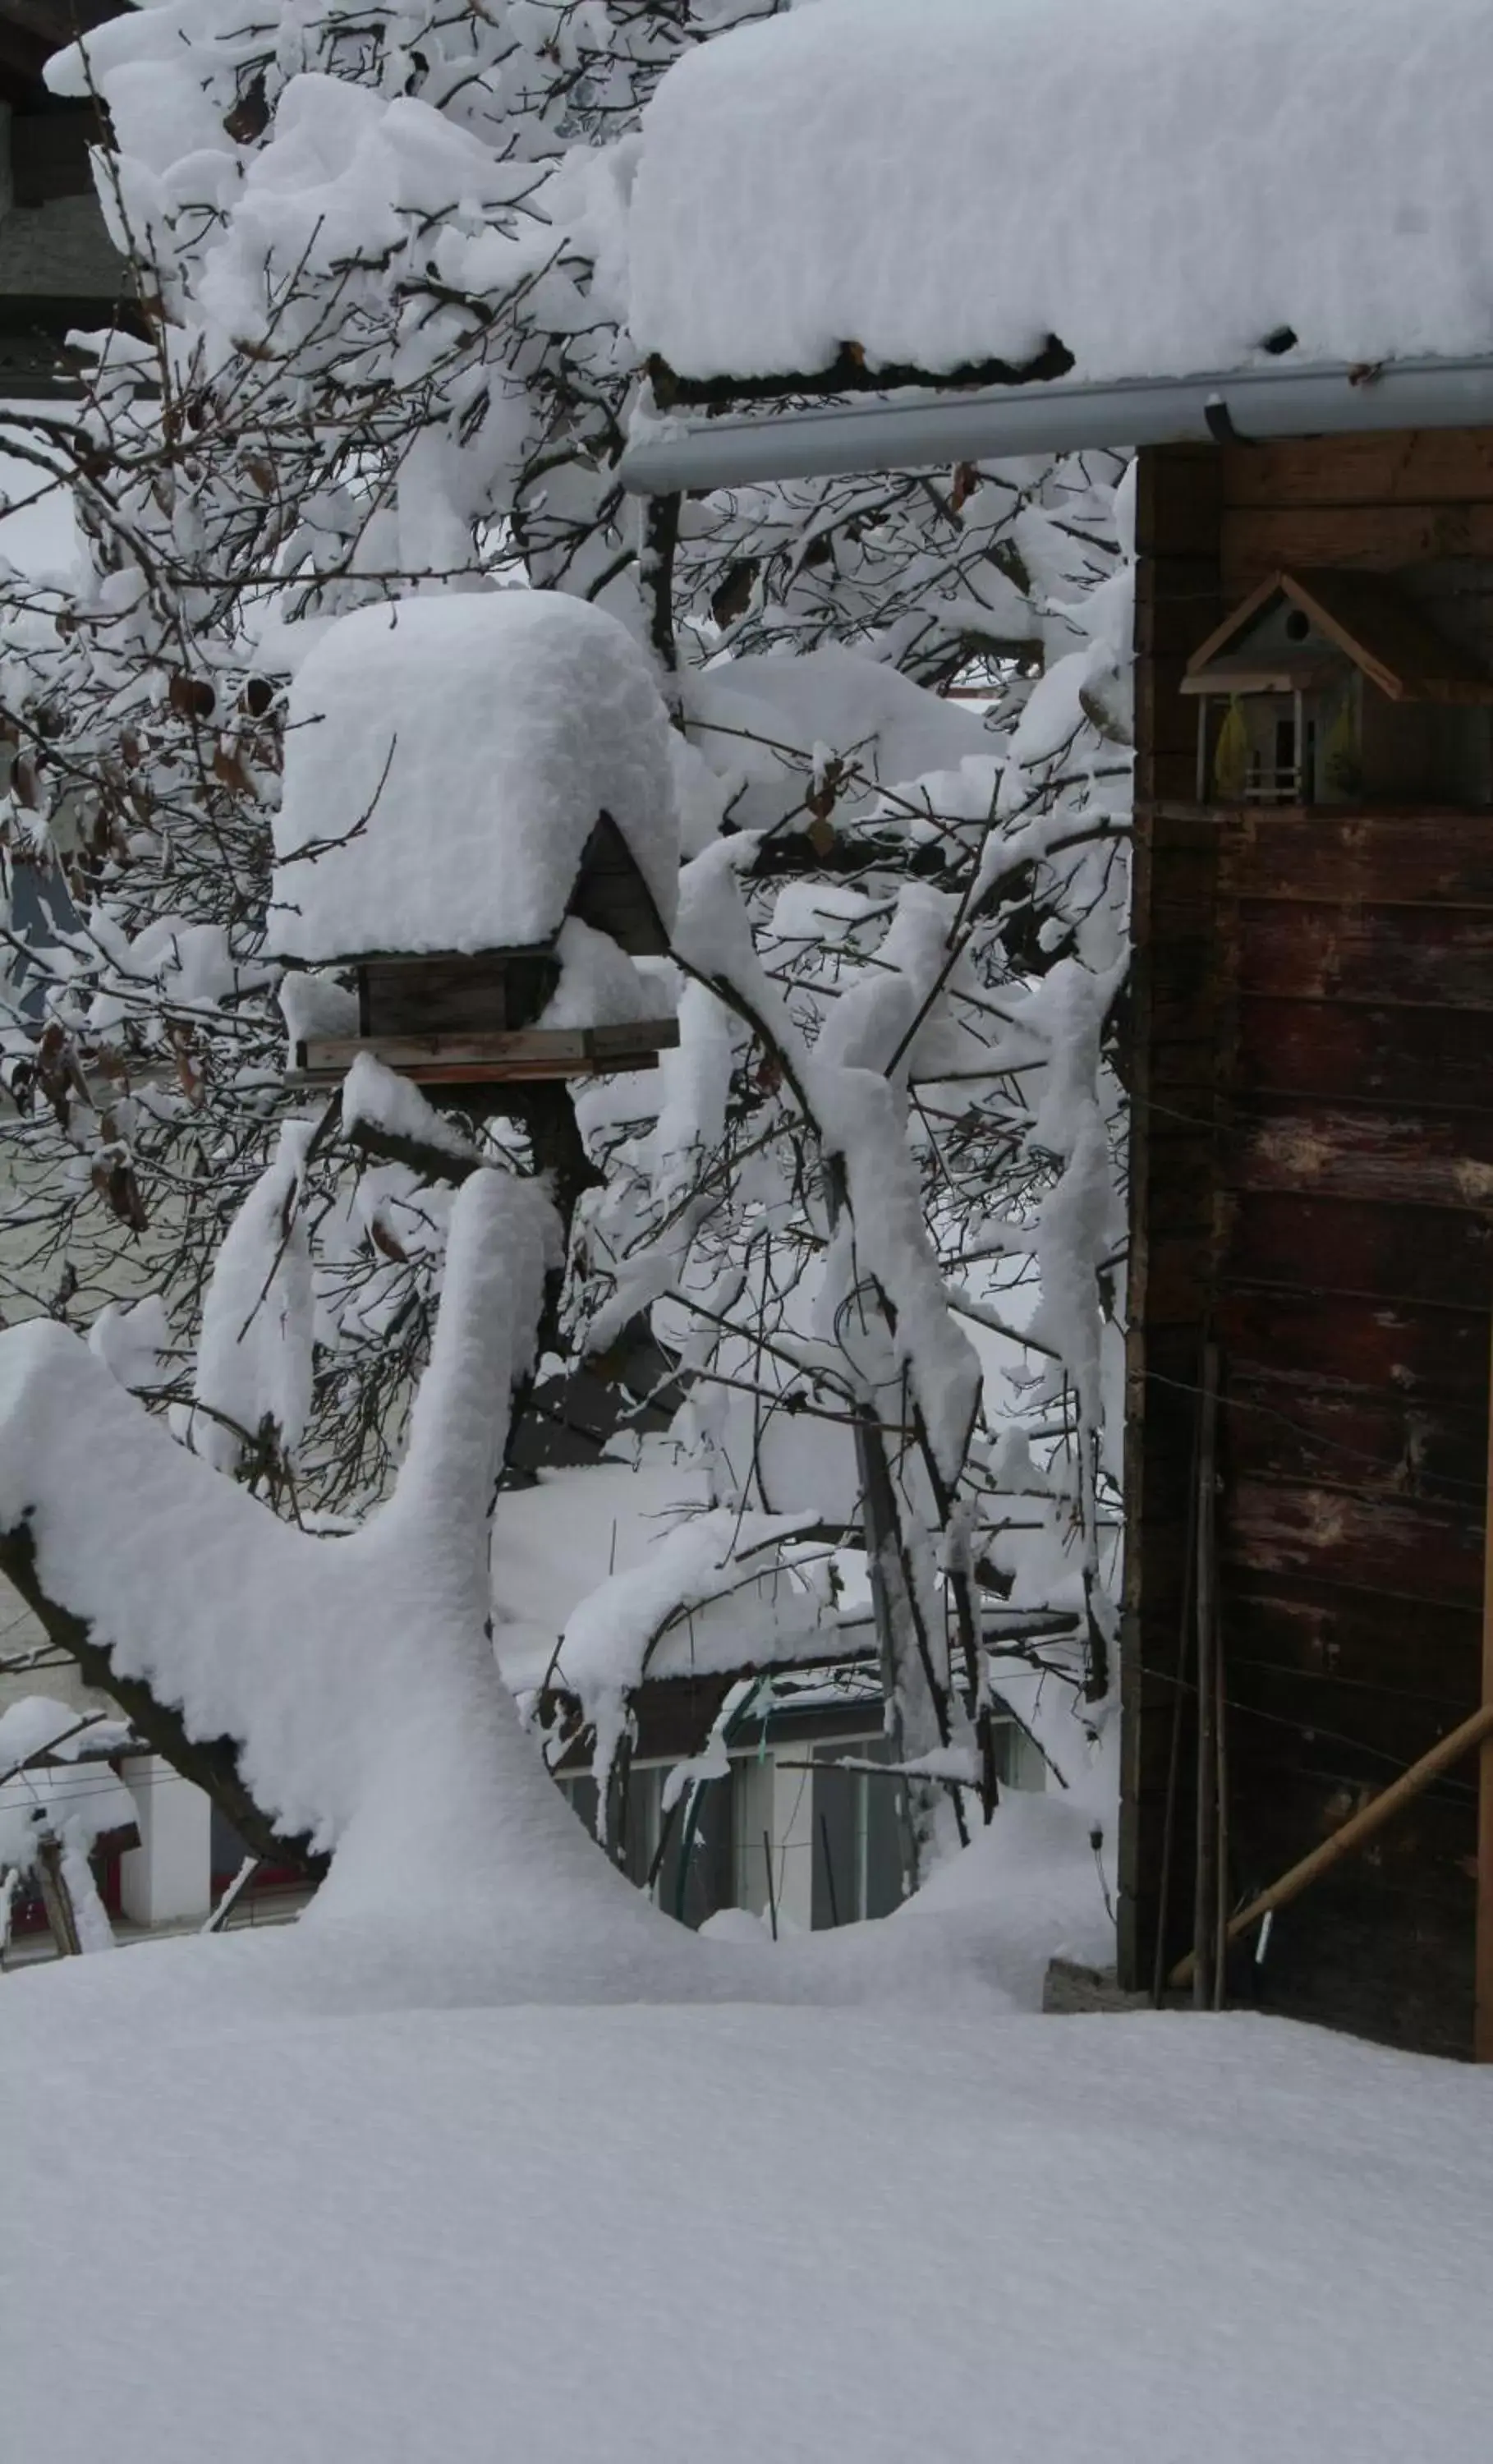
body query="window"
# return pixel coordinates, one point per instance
(806, 1834)
(858, 1818)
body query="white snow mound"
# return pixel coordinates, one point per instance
(742, 2234)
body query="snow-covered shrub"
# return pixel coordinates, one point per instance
(870, 1204)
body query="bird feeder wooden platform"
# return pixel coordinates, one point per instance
(469, 1019)
(535, 1055)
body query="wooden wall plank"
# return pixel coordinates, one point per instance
(1395, 1254)
(1428, 466)
(1402, 1158)
(1362, 1052)
(1257, 540)
(1305, 1788)
(1426, 1351)
(1293, 1623)
(1386, 1966)
(1369, 1731)
(1420, 859)
(1375, 1441)
(1413, 1552)
(1387, 955)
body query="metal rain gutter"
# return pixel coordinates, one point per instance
(910, 432)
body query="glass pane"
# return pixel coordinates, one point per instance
(838, 1846)
(709, 1872)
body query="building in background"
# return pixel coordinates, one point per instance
(58, 269)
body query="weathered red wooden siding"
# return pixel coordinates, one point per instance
(1325, 1200)
(1355, 1167)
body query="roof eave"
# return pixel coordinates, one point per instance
(913, 431)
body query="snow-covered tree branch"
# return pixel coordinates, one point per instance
(869, 1207)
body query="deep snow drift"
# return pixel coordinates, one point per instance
(736, 2233)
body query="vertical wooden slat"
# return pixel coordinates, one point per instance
(1482, 2024)
(1171, 1064)
(1207, 1945)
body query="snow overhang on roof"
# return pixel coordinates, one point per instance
(870, 195)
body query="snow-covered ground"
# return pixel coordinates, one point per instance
(916, 2226)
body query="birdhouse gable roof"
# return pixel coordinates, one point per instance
(1296, 630)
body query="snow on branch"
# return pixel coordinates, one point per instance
(254, 1353)
(858, 1117)
(356, 1672)
(718, 1588)
(52, 1801)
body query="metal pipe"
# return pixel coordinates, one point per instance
(914, 430)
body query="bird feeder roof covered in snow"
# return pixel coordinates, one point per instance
(478, 817)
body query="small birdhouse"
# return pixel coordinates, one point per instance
(1331, 687)
(478, 824)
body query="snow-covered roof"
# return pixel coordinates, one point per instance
(446, 759)
(1162, 186)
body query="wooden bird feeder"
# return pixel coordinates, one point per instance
(1331, 687)
(477, 826)
(468, 1017)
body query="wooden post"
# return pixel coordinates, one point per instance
(1483, 1958)
(1478, 1730)
(1206, 1947)
(57, 1899)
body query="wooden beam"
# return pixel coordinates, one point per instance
(1207, 1880)
(57, 1899)
(1408, 466)
(1483, 1964)
(1464, 1739)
